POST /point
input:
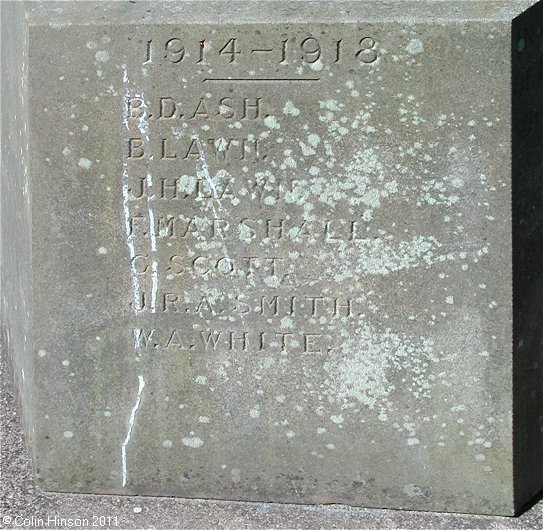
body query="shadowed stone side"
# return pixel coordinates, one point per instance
(527, 135)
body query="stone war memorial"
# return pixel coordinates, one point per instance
(280, 251)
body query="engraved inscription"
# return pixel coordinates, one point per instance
(222, 252)
(168, 108)
(310, 49)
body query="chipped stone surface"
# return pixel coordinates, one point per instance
(274, 260)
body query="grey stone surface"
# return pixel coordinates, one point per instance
(272, 249)
(21, 500)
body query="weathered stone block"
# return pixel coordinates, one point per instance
(281, 251)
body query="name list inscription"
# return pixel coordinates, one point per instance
(191, 194)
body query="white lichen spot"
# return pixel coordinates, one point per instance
(316, 66)
(68, 434)
(193, 442)
(331, 105)
(272, 281)
(449, 300)
(167, 443)
(412, 441)
(271, 122)
(306, 149)
(102, 56)
(254, 413)
(203, 419)
(290, 109)
(313, 140)
(65, 362)
(85, 163)
(200, 379)
(363, 366)
(287, 323)
(337, 419)
(66, 151)
(414, 47)
(102, 250)
(281, 398)
(42, 353)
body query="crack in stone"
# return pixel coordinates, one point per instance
(141, 383)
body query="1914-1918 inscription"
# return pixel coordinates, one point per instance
(272, 253)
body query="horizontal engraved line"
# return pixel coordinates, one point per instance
(260, 79)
